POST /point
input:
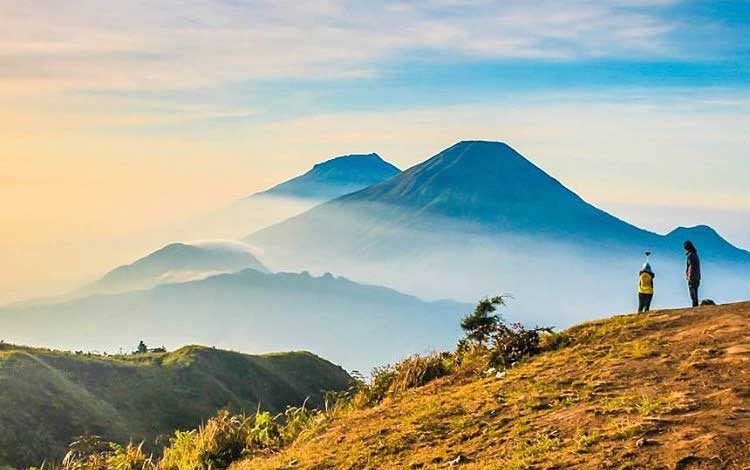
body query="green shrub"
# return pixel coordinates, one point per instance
(512, 343)
(301, 423)
(489, 341)
(265, 432)
(482, 322)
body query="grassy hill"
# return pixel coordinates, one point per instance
(665, 390)
(49, 397)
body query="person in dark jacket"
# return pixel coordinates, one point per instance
(692, 271)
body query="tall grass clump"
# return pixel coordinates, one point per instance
(391, 381)
(92, 453)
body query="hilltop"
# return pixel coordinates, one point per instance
(177, 262)
(47, 398)
(335, 177)
(664, 390)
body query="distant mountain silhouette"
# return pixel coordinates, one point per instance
(358, 326)
(325, 181)
(707, 239)
(471, 187)
(335, 177)
(478, 218)
(177, 262)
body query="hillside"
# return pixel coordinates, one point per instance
(665, 390)
(48, 397)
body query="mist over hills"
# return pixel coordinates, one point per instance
(355, 325)
(49, 398)
(324, 181)
(489, 188)
(477, 218)
(177, 262)
(335, 177)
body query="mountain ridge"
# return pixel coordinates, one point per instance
(266, 311)
(487, 185)
(478, 217)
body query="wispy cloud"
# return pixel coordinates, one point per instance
(175, 43)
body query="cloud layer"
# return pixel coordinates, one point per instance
(178, 43)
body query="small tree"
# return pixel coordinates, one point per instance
(142, 348)
(482, 322)
(489, 338)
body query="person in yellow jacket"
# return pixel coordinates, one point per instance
(645, 288)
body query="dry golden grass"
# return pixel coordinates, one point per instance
(665, 390)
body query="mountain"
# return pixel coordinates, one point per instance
(177, 262)
(479, 217)
(480, 187)
(50, 397)
(325, 181)
(334, 178)
(709, 241)
(490, 185)
(637, 391)
(358, 326)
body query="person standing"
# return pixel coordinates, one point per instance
(692, 271)
(645, 288)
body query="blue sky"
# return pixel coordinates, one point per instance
(641, 106)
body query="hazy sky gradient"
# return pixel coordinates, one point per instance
(122, 117)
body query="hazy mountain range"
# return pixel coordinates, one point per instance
(355, 325)
(474, 187)
(478, 218)
(177, 262)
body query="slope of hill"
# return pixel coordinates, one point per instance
(356, 325)
(334, 178)
(665, 390)
(479, 215)
(47, 398)
(177, 262)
